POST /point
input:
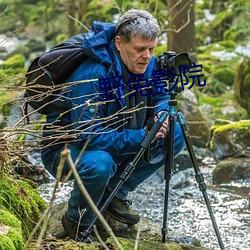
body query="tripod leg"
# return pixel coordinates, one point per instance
(199, 176)
(129, 169)
(168, 173)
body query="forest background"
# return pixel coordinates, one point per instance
(214, 33)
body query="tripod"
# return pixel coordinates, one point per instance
(168, 165)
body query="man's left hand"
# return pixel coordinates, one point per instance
(163, 129)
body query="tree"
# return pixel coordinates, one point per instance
(181, 27)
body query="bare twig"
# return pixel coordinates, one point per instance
(137, 236)
(99, 238)
(77, 21)
(67, 155)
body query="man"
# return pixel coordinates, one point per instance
(112, 124)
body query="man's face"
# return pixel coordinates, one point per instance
(137, 53)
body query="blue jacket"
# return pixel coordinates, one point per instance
(89, 118)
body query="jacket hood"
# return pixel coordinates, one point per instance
(98, 42)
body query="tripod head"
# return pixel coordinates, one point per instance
(172, 64)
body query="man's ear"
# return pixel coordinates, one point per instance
(118, 42)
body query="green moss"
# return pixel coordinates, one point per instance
(224, 75)
(128, 244)
(16, 61)
(212, 100)
(13, 71)
(6, 243)
(9, 219)
(236, 125)
(239, 128)
(228, 45)
(22, 200)
(16, 237)
(13, 238)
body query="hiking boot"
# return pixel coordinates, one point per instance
(75, 231)
(121, 211)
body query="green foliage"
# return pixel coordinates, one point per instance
(160, 50)
(242, 84)
(224, 75)
(214, 101)
(16, 61)
(218, 102)
(219, 65)
(13, 66)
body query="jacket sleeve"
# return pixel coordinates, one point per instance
(88, 115)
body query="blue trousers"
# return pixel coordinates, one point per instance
(100, 170)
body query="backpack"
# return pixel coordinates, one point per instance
(47, 73)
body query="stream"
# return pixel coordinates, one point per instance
(187, 212)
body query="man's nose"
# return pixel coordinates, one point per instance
(146, 54)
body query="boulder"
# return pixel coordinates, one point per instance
(197, 125)
(231, 169)
(150, 235)
(231, 139)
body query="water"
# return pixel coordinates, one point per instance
(187, 212)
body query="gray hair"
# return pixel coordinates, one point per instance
(137, 22)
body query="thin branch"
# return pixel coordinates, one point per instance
(66, 154)
(138, 236)
(99, 238)
(77, 21)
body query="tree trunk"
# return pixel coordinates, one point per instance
(83, 7)
(181, 28)
(72, 13)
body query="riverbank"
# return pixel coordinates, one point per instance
(188, 216)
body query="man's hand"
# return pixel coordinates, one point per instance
(164, 128)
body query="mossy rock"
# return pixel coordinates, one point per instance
(21, 199)
(231, 139)
(11, 237)
(231, 169)
(128, 244)
(150, 235)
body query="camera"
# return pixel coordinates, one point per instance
(170, 60)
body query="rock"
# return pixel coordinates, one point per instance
(229, 140)
(231, 169)
(228, 110)
(181, 179)
(189, 96)
(197, 125)
(149, 238)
